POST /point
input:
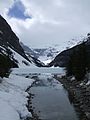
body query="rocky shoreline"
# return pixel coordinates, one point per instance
(79, 95)
(29, 105)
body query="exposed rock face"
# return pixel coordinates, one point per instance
(79, 95)
(9, 39)
(28, 50)
(6, 40)
(32, 55)
(9, 42)
(63, 58)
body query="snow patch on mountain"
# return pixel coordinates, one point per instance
(22, 62)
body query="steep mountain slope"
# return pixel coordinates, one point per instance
(28, 50)
(63, 58)
(8, 38)
(32, 56)
(10, 47)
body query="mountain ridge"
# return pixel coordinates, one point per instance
(9, 43)
(62, 59)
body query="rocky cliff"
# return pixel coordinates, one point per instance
(10, 48)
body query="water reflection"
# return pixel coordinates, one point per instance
(51, 101)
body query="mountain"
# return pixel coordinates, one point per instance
(28, 50)
(9, 39)
(11, 52)
(32, 56)
(62, 59)
(45, 55)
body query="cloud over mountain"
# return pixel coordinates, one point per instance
(53, 21)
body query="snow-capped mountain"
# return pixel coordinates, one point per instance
(62, 59)
(45, 55)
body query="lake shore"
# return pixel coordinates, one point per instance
(79, 94)
(48, 99)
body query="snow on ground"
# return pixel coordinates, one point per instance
(13, 98)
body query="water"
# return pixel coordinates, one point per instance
(50, 101)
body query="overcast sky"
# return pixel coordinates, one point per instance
(40, 23)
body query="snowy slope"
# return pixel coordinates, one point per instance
(43, 54)
(20, 59)
(17, 58)
(22, 62)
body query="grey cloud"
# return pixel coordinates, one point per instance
(53, 22)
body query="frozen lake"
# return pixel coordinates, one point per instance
(50, 101)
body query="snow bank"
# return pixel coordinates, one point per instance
(20, 59)
(7, 112)
(13, 98)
